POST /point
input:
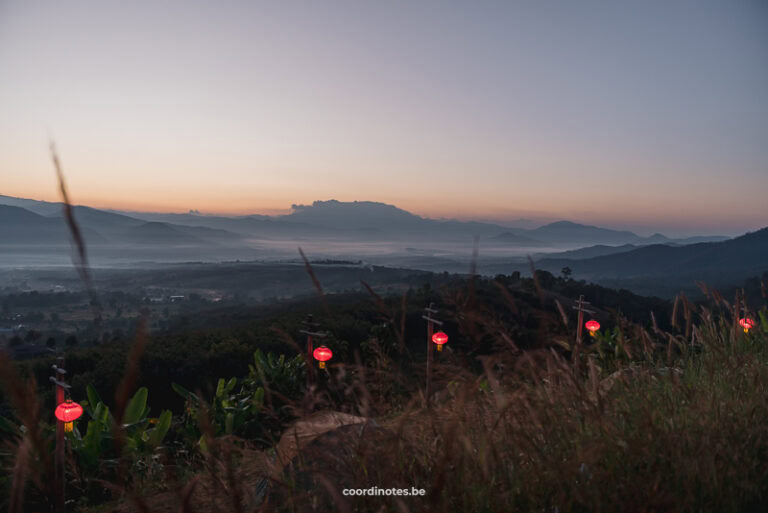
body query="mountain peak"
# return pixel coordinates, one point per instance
(565, 224)
(356, 215)
(568, 231)
(333, 204)
(9, 211)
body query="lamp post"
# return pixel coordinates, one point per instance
(311, 330)
(580, 307)
(60, 388)
(431, 321)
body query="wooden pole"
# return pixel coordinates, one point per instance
(311, 370)
(428, 313)
(580, 326)
(430, 329)
(577, 354)
(59, 454)
(311, 330)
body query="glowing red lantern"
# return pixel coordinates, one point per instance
(746, 323)
(439, 338)
(592, 326)
(322, 354)
(68, 412)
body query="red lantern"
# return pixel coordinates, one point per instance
(439, 338)
(747, 323)
(322, 354)
(592, 326)
(68, 412)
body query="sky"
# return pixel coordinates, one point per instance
(650, 115)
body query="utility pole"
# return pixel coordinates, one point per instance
(431, 321)
(744, 312)
(579, 327)
(60, 387)
(311, 329)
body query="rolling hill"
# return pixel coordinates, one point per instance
(588, 252)
(569, 232)
(663, 268)
(43, 208)
(19, 226)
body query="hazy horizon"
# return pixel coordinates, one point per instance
(530, 222)
(650, 116)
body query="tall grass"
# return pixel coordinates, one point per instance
(533, 434)
(530, 433)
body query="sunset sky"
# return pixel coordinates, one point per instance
(645, 115)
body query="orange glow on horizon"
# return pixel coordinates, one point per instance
(218, 202)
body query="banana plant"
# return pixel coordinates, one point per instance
(283, 376)
(232, 411)
(237, 406)
(140, 433)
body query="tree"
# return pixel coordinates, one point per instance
(51, 342)
(546, 279)
(71, 341)
(566, 272)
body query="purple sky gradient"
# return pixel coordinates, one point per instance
(645, 115)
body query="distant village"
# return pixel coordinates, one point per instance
(34, 323)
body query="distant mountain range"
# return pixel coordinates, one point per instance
(617, 258)
(367, 220)
(19, 226)
(658, 267)
(567, 232)
(363, 221)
